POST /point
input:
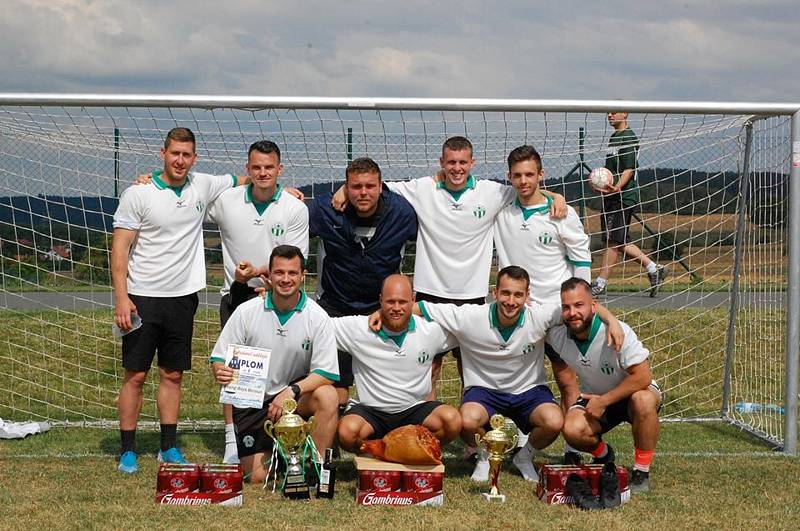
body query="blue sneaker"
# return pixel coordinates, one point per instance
(173, 455)
(128, 463)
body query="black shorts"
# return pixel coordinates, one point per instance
(248, 424)
(345, 359)
(238, 294)
(616, 413)
(615, 220)
(444, 300)
(167, 326)
(383, 422)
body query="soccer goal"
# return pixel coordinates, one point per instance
(716, 185)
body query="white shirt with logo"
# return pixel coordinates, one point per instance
(166, 258)
(600, 368)
(508, 360)
(250, 231)
(392, 372)
(301, 340)
(550, 250)
(454, 242)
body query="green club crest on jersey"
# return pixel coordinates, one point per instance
(606, 367)
(199, 206)
(277, 230)
(423, 357)
(307, 344)
(527, 349)
(479, 211)
(545, 237)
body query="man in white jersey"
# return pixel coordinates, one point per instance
(551, 250)
(456, 213)
(615, 386)
(392, 370)
(302, 362)
(503, 360)
(158, 266)
(252, 221)
(525, 234)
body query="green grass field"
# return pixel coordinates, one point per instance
(66, 479)
(64, 366)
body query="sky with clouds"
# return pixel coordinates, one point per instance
(715, 50)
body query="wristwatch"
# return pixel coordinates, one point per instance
(296, 390)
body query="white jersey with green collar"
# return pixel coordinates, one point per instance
(166, 258)
(454, 242)
(551, 250)
(301, 339)
(392, 371)
(510, 359)
(251, 230)
(600, 368)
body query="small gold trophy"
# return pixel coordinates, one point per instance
(290, 434)
(497, 443)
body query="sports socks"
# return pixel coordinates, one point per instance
(651, 267)
(231, 456)
(601, 282)
(601, 450)
(127, 441)
(169, 436)
(643, 459)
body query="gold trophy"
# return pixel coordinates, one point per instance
(497, 442)
(290, 434)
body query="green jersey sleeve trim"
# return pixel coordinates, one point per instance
(424, 311)
(578, 263)
(325, 374)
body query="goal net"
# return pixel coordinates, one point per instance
(713, 209)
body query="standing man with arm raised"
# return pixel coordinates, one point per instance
(252, 221)
(358, 248)
(158, 266)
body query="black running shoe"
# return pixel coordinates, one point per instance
(608, 458)
(640, 481)
(572, 458)
(609, 486)
(657, 279)
(581, 493)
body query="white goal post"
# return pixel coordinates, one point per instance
(719, 187)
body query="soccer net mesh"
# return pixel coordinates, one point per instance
(62, 168)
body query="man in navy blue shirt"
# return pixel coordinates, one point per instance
(358, 248)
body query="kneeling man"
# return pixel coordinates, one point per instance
(392, 370)
(302, 365)
(502, 352)
(615, 386)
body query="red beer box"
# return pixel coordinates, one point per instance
(383, 483)
(551, 488)
(195, 485)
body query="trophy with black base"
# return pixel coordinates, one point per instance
(291, 435)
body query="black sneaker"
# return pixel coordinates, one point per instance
(640, 481)
(581, 493)
(609, 486)
(598, 290)
(608, 458)
(657, 279)
(572, 458)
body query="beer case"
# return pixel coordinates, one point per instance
(551, 488)
(384, 483)
(193, 484)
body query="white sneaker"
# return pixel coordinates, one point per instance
(523, 460)
(481, 470)
(231, 456)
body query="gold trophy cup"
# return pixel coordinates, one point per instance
(290, 434)
(497, 443)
